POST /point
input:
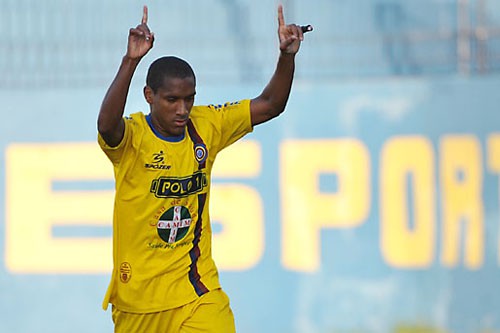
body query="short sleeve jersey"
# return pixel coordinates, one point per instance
(161, 226)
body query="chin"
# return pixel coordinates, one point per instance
(179, 132)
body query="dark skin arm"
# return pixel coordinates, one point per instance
(110, 122)
(272, 101)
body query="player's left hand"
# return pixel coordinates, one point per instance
(290, 36)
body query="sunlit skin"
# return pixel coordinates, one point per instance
(171, 105)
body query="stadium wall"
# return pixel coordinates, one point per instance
(368, 206)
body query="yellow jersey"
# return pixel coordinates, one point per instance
(161, 225)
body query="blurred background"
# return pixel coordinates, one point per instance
(370, 206)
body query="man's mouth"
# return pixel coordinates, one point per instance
(181, 122)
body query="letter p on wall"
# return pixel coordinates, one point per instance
(33, 208)
(306, 209)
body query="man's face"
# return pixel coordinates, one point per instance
(171, 105)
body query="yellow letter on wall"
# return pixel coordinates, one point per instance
(238, 208)
(33, 208)
(404, 246)
(305, 210)
(461, 187)
(494, 164)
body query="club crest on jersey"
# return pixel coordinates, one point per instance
(125, 272)
(200, 152)
(173, 225)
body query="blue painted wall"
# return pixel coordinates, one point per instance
(356, 288)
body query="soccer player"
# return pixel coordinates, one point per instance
(164, 278)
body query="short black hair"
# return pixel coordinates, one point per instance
(167, 67)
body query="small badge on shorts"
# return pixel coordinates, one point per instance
(125, 272)
(200, 152)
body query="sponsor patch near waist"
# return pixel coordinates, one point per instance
(166, 187)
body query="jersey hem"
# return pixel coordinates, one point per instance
(159, 309)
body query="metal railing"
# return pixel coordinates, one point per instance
(57, 43)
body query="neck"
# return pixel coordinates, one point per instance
(157, 130)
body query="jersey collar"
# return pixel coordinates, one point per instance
(159, 135)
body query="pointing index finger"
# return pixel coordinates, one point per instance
(144, 15)
(281, 18)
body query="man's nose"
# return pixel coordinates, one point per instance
(183, 108)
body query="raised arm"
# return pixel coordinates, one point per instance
(271, 102)
(110, 122)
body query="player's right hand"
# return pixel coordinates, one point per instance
(140, 38)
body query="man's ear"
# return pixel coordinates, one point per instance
(148, 94)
